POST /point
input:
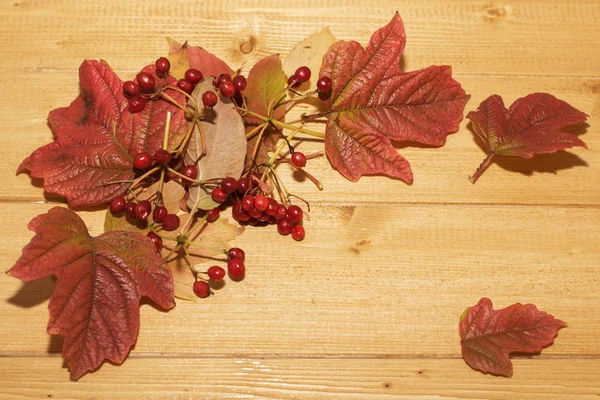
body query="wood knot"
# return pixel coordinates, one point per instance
(493, 13)
(247, 46)
(360, 246)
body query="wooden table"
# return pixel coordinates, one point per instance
(368, 305)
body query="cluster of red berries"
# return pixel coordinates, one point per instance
(235, 269)
(303, 74)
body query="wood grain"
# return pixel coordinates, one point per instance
(367, 306)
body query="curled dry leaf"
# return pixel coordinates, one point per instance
(97, 138)
(309, 52)
(184, 57)
(530, 126)
(373, 102)
(489, 336)
(95, 305)
(225, 141)
(212, 239)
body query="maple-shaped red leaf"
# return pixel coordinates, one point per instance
(530, 126)
(489, 336)
(373, 101)
(97, 138)
(95, 305)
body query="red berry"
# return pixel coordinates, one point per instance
(218, 195)
(293, 81)
(216, 273)
(236, 268)
(281, 212)
(223, 78)
(190, 172)
(162, 156)
(136, 104)
(229, 184)
(273, 206)
(159, 214)
(295, 214)
(324, 84)
(130, 209)
(155, 239)
(302, 74)
(261, 202)
(227, 89)
(162, 66)
(243, 185)
(213, 214)
(239, 214)
(236, 252)
(142, 161)
(209, 99)
(201, 289)
(193, 75)
(146, 82)
(185, 85)
(171, 222)
(117, 205)
(284, 226)
(254, 213)
(299, 159)
(247, 202)
(298, 232)
(142, 210)
(240, 83)
(131, 88)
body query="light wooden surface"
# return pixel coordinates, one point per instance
(368, 305)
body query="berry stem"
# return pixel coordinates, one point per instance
(134, 182)
(172, 101)
(284, 125)
(190, 97)
(250, 134)
(484, 164)
(295, 100)
(260, 135)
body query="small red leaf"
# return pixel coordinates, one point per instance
(373, 101)
(489, 336)
(97, 138)
(530, 126)
(100, 282)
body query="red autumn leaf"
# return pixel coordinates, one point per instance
(184, 56)
(530, 126)
(489, 336)
(373, 101)
(97, 138)
(100, 282)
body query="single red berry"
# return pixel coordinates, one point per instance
(293, 81)
(130, 209)
(171, 222)
(254, 213)
(261, 202)
(227, 89)
(185, 85)
(213, 214)
(240, 83)
(201, 289)
(273, 206)
(247, 202)
(209, 99)
(131, 88)
(295, 214)
(142, 210)
(136, 104)
(236, 252)
(236, 268)
(146, 82)
(159, 214)
(239, 214)
(284, 226)
(216, 273)
(162, 66)
(264, 217)
(117, 205)
(223, 78)
(298, 232)
(193, 75)
(190, 172)
(302, 74)
(324, 84)
(229, 184)
(299, 159)
(281, 212)
(162, 156)
(218, 195)
(142, 161)
(155, 239)
(243, 185)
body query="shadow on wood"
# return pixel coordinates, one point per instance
(34, 293)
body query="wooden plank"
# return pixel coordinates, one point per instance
(475, 37)
(368, 280)
(571, 177)
(160, 378)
